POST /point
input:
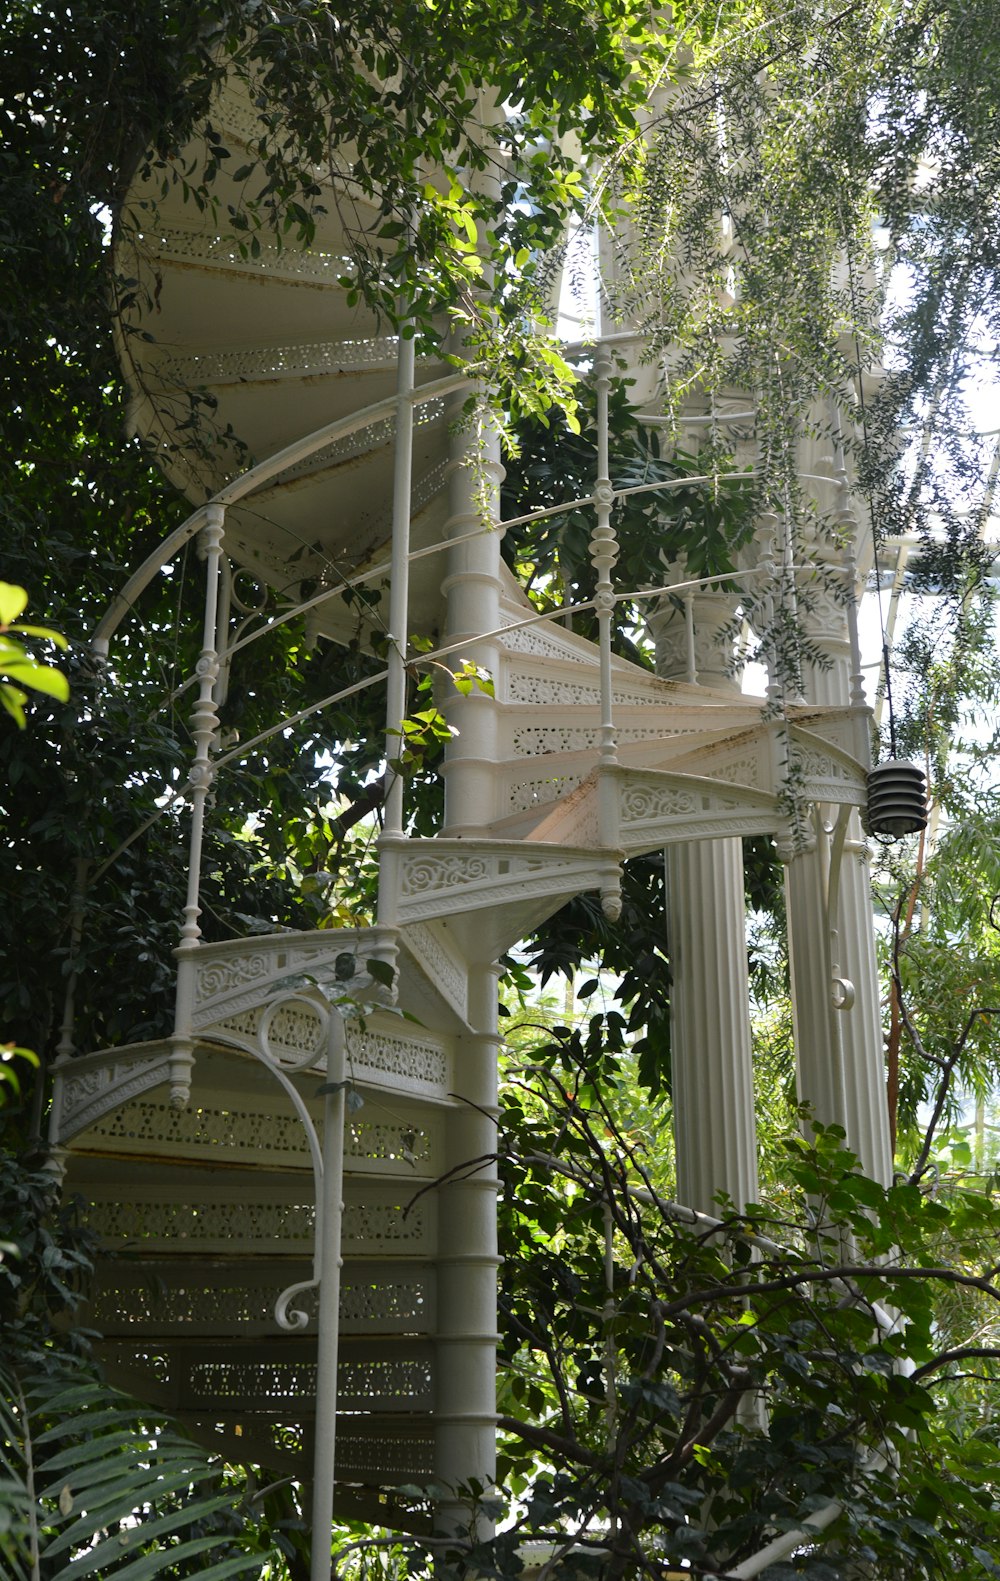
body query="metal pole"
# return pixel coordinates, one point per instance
(328, 1232)
(603, 554)
(399, 583)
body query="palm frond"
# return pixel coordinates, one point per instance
(94, 1486)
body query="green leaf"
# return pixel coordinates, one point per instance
(381, 971)
(13, 600)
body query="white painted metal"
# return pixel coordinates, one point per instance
(204, 724)
(327, 1350)
(472, 590)
(838, 1039)
(711, 1047)
(578, 760)
(399, 589)
(711, 1055)
(465, 1373)
(604, 554)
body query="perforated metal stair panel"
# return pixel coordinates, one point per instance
(167, 1297)
(209, 1212)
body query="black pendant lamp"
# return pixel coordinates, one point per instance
(897, 799)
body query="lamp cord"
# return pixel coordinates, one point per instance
(871, 511)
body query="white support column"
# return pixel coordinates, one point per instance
(819, 1060)
(387, 948)
(472, 588)
(866, 1106)
(711, 1057)
(604, 554)
(329, 1230)
(399, 586)
(465, 1363)
(711, 1049)
(472, 585)
(838, 1039)
(467, 1260)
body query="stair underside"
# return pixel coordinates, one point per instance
(207, 1214)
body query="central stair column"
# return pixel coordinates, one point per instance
(465, 1404)
(472, 588)
(711, 1054)
(465, 1360)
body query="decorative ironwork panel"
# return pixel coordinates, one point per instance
(440, 967)
(370, 1382)
(85, 1094)
(240, 1135)
(221, 252)
(430, 880)
(161, 1299)
(295, 361)
(523, 794)
(384, 1457)
(372, 1145)
(654, 808)
(406, 1060)
(375, 1221)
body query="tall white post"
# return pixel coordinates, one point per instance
(465, 1402)
(387, 948)
(472, 585)
(399, 586)
(329, 1231)
(819, 1057)
(465, 1350)
(711, 1051)
(839, 1047)
(604, 554)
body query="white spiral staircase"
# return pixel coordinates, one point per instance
(208, 1210)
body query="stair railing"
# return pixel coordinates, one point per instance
(327, 1159)
(209, 519)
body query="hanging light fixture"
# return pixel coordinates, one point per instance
(897, 799)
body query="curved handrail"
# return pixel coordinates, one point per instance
(382, 567)
(249, 481)
(141, 578)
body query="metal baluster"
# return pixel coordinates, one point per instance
(204, 727)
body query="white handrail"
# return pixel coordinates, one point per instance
(248, 482)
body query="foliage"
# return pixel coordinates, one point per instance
(82, 504)
(17, 668)
(91, 1483)
(773, 138)
(702, 525)
(635, 1392)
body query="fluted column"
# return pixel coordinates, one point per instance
(472, 588)
(465, 1402)
(714, 1130)
(711, 1050)
(838, 1034)
(819, 1059)
(863, 1043)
